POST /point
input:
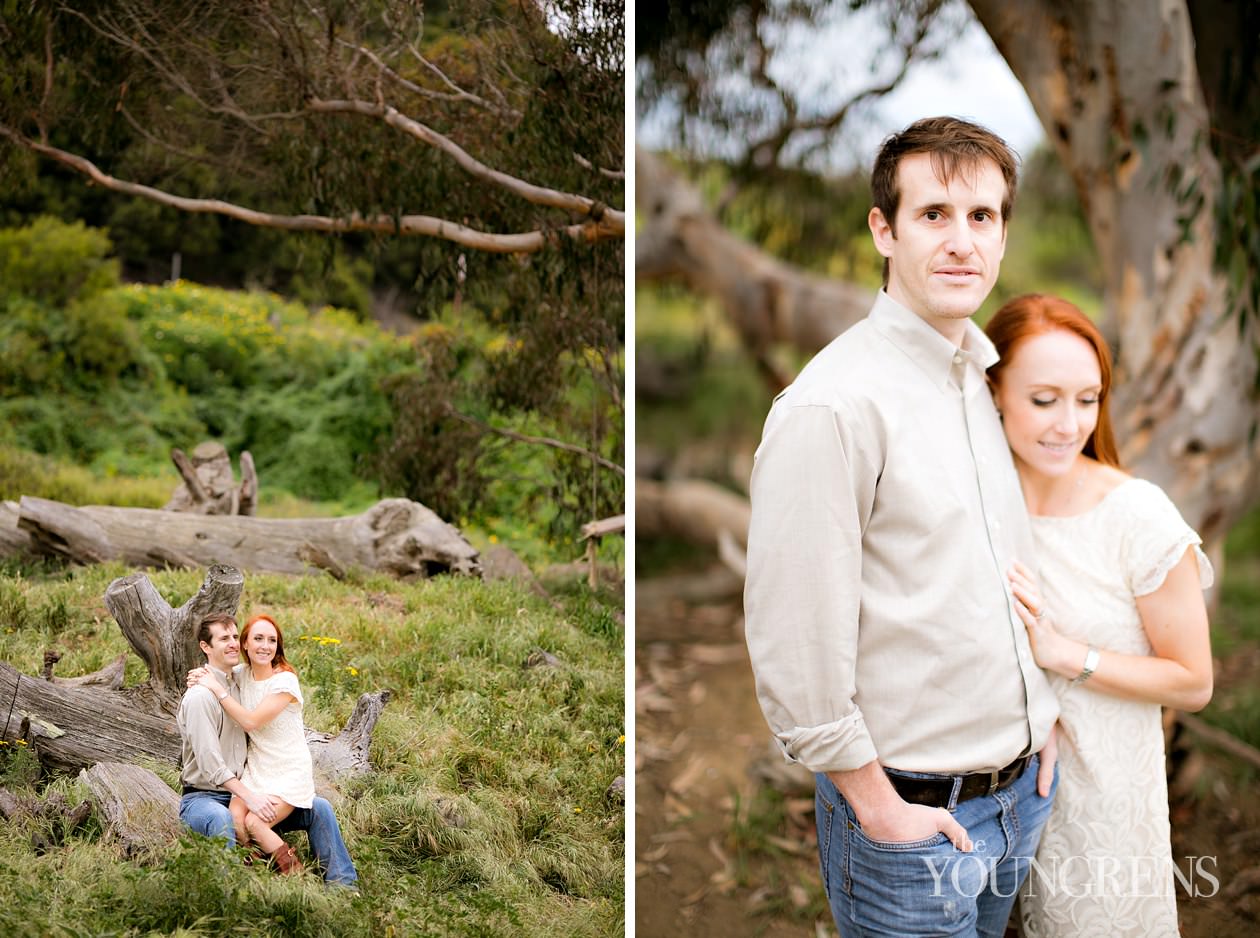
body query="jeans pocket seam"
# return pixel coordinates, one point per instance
(899, 847)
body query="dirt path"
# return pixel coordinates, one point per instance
(720, 854)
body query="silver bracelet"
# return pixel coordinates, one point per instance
(1091, 662)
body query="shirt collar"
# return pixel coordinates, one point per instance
(928, 349)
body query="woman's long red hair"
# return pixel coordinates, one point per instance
(279, 662)
(1034, 314)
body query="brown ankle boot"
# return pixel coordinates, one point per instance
(286, 860)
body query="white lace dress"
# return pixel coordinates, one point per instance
(1104, 867)
(277, 760)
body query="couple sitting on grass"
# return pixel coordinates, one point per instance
(249, 792)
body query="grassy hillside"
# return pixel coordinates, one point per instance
(107, 377)
(489, 815)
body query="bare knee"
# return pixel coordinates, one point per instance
(254, 824)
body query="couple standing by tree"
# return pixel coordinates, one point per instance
(952, 584)
(249, 791)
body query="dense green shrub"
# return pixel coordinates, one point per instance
(53, 263)
(333, 409)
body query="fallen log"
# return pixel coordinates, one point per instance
(691, 509)
(13, 540)
(1220, 738)
(137, 809)
(73, 727)
(209, 487)
(395, 535)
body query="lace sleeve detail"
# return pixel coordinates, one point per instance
(1157, 538)
(285, 682)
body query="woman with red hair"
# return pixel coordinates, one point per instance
(277, 760)
(1117, 619)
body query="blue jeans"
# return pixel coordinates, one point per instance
(206, 812)
(926, 887)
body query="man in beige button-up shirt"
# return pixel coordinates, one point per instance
(213, 753)
(885, 513)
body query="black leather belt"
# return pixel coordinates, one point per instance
(937, 791)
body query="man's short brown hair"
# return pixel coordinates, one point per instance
(955, 146)
(219, 618)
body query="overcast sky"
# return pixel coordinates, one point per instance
(832, 58)
(974, 82)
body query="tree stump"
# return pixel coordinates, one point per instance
(395, 535)
(138, 810)
(209, 487)
(345, 756)
(166, 638)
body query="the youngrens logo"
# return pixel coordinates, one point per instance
(1078, 876)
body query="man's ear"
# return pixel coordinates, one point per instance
(881, 231)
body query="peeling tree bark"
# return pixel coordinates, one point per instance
(396, 535)
(1117, 88)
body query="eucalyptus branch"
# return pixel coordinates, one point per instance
(158, 141)
(538, 440)
(457, 94)
(609, 173)
(612, 219)
(48, 82)
(526, 242)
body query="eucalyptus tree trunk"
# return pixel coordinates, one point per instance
(1116, 86)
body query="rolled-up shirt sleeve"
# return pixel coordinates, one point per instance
(199, 718)
(812, 490)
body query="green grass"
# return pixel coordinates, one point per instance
(487, 816)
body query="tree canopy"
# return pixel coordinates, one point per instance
(494, 126)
